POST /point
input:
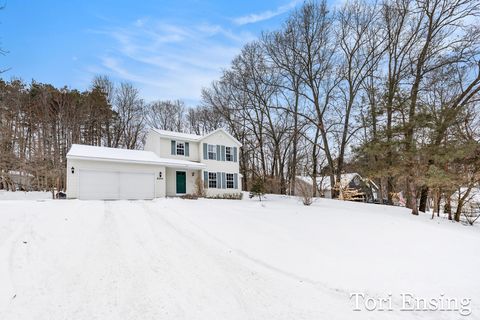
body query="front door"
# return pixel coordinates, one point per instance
(181, 182)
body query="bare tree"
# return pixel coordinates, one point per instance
(129, 128)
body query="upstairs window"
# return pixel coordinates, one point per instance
(228, 154)
(212, 179)
(212, 152)
(230, 184)
(180, 148)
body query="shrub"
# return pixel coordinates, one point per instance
(306, 193)
(199, 188)
(189, 196)
(228, 196)
(258, 189)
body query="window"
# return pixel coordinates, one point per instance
(212, 179)
(180, 148)
(212, 152)
(230, 184)
(228, 154)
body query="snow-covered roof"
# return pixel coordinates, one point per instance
(19, 173)
(181, 135)
(324, 182)
(224, 131)
(85, 152)
(473, 195)
(192, 137)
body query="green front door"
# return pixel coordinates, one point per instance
(181, 182)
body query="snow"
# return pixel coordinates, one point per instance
(192, 137)
(20, 173)
(324, 182)
(85, 152)
(181, 135)
(23, 195)
(227, 259)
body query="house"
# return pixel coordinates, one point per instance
(171, 164)
(471, 204)
(364, 189)
(16, 180)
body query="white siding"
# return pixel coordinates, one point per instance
(162, 147)
(220, 138)
(152, 142)
(166, 151)
(172, 181)
(72, 179)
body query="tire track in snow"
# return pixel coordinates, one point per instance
(319, 285)
(231, 274)
(235, 271)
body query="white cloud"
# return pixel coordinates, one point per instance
(257, 17)
(169, 61)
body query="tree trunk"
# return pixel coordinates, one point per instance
(412, 200)
(448, 206)
(423, 199)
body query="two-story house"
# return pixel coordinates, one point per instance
(171, 164)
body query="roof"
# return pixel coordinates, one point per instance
(324, 182)
(20, 173)
(173, 134)
(85, 152)
(192, 137)
(224, 131)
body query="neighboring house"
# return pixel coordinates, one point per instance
(471, 205)
(367, 190)
(16, 180)
(172, 164)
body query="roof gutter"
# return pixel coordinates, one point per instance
(155, 163)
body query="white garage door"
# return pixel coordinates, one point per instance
(109, 185)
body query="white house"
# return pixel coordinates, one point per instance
(171, 165)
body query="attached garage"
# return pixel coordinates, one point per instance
(100, 173)
(115, 185)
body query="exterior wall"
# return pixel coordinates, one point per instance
(171, 183)
(166, 151)
(151, 142)
(161, 146)
(72, 179)
(220, 138)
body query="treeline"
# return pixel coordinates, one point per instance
(39, 123)
(389, 89)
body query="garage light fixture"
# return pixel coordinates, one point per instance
(160, 174)
(193, 174)
(73, 170)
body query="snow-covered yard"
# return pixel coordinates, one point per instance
(225, 259)
(22, 195)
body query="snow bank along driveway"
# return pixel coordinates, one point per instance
(224, 259)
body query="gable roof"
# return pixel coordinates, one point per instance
(85, 152)
(181, 135)
(224, 131)
(192, 137)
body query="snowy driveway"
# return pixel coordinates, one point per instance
(210, 259)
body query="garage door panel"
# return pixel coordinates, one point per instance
(98, 185)
(136, 185)
(113, 185)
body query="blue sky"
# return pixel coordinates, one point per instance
(168, 49)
